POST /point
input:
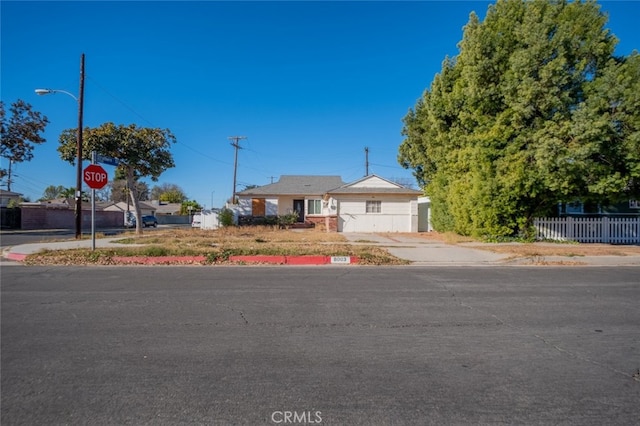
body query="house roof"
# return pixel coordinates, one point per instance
(123, 206)
(373, 184)
(296, 185)
(168, 208)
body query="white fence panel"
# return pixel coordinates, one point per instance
(589, 230)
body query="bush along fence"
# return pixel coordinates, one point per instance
(589, 230)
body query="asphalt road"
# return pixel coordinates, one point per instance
(330, 345)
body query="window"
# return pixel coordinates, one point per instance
(374, 206)
(314, 206)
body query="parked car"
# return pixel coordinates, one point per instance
(197, 218)
(149, 220)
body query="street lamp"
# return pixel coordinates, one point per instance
(80, 102)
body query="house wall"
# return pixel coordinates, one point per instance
(424, 214)
(285, 204)
(398, 214)
(122, 207)
(244, 206)
(328, 223)
(271, 206)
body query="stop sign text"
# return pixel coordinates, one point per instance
(95, 176)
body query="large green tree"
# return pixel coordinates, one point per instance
(534, 110)
(52, 192)
(141, 152)
(18, 134)
(168, 192)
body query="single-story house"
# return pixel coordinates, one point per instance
(145, 208)
(166, 209)
(370, 204)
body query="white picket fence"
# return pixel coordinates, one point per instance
(589, 230)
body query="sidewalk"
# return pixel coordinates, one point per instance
(19, 253)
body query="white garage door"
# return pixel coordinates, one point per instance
(373, 223)
(395, 216)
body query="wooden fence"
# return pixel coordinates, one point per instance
(589, 230)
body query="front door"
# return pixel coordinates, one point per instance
(298, 207)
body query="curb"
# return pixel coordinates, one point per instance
(18, 257)
(258, 259)
(296, 260)
(158, 260)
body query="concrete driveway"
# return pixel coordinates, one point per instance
(424, 252)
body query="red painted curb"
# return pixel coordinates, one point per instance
(16, 256)
(278, 260)
(308, 260)
(154, 260)
(296, 260)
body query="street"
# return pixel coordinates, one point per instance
(320, 345)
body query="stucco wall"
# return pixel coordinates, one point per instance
(38, 217)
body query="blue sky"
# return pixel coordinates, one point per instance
(310, 84)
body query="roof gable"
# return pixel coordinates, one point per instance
(373, 181)
(374, 184)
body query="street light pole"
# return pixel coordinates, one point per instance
(80, 101)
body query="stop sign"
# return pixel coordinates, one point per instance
(95, 176)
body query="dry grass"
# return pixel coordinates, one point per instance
(218, 245)
(537, 248)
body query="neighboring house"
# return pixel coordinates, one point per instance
(145, 208)
(62, 203)
(370, 204)
(7, 196)
(129, 213)
(629, 208)
(166, 209)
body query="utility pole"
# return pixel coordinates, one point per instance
(366, 160)
(79, 153)
(236, 144)
(9, 176)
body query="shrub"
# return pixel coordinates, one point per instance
(226, 217)
(286, 220)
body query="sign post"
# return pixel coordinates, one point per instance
(96, 177)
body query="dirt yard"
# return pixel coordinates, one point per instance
(537, 248)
